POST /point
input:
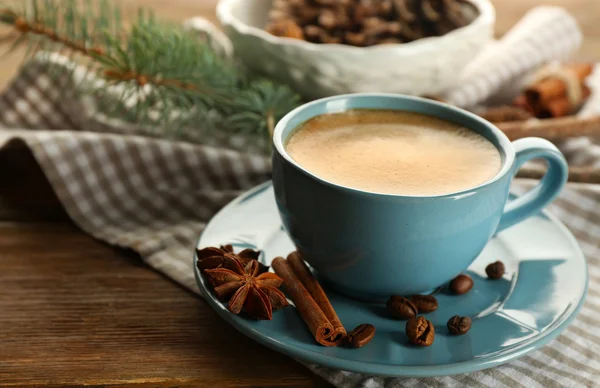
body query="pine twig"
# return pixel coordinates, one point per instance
(24, 27)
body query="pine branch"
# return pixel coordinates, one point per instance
(156, 74)
(24, 27)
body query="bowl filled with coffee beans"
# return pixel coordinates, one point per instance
(327, 47)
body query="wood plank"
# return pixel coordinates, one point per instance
(74, 311)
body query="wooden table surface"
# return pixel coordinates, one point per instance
(74, 311)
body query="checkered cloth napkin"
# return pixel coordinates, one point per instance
(156, 196)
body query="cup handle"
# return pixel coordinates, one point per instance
(537, 198)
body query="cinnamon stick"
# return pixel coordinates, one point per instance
(547, 89)
(552, 129)
(521, 102)
(314, 318)
(560, 106)
(316, 291)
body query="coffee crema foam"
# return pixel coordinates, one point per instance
(394, 152)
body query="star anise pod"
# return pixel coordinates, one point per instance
(212, 257)
(247, 288)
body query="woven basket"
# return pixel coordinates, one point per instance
(556, 130)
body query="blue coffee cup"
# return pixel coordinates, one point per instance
(372, 245)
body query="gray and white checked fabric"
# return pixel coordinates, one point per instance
(155, 196)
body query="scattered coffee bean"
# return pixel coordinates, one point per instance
(361, 335)
(495, 270)
(461, 284)
(420, 331)
(424, 303)
(401, 308)
(459, 325)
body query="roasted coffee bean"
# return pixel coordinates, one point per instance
(461, 284)
(459, 325)
(361, 335)
(495, 270)
(420, 331)
(327, 19)
(424, 303)
(355, 38)
(313, 33)
(401, 308)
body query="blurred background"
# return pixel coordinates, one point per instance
(508, 12)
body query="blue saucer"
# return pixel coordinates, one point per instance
(540, 294)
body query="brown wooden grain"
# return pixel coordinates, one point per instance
(75, 312)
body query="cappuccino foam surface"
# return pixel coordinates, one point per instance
(394, 152)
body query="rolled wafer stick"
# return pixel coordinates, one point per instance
(547, 89)
(316, 291)
(552, 129)
(311, 314)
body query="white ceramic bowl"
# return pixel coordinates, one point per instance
(425, 66)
